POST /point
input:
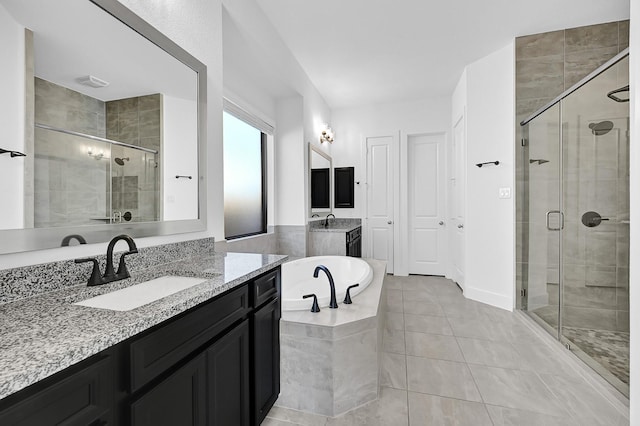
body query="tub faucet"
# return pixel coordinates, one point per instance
(333, 303)
(326, 219)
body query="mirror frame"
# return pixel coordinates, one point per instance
(21, 240)
(313, 149)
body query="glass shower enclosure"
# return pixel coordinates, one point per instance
(82, 179)
(575, 216)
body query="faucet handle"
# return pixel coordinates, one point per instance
(123, 272)
(95, 278)
(315, 307)
(347, 297)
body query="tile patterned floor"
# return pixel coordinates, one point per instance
(451, 361)
(609, 348)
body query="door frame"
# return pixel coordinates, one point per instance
(456, 166)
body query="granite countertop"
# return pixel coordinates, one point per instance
(337, 228)
(335, 225)
(44, 334)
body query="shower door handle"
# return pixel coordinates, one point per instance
(549, 227)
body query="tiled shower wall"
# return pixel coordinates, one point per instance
(136, 184)
(546, 65)
(70, 187)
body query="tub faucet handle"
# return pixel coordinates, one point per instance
(347, 297)
(315, 307)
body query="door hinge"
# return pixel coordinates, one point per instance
(523, 142)
(523, 292)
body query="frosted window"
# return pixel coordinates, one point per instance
(244, 207)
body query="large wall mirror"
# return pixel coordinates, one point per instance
(102, 124)
(320, 180)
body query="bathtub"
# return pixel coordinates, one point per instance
(297, 280)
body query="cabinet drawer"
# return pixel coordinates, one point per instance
(83, 397)
(266, 287)
(154, 353)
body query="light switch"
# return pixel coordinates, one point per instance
(504, 193)
(171, 199)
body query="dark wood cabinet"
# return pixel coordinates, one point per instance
(81, 396)
(215, 364)
(344, 187)
(320, 188)
(266, 360)
(180, 399)
(229, 379)
(158, 350)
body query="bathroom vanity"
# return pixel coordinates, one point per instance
(341, 237)
(208, 354)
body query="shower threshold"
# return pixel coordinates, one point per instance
(597, 356)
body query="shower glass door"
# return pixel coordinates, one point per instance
(575, 222)
(595, 238)
(542, 218)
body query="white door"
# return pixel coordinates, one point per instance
(426, 204)
(459, 161)
(380, 198)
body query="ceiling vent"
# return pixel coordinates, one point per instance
(92, 81)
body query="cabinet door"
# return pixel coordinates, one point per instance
(228, 378)
(266, 361)
(82, 397)
(178, 400)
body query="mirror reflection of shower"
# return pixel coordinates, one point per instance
(601, 128)
(539, 161)
(120, 161)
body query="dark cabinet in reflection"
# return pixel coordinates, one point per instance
(344, 187)
(320, 188)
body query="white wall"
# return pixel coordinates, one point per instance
(12, 110)
(490, 221)
(179, 156)
(289, 162)
(634, 179)
(261, 60)
(353, 125)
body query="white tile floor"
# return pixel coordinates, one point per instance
(451, 361)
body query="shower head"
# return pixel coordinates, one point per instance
(539, 161)
(120, 161)
(601, 128)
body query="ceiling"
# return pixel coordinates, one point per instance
(360, 52)
(75, 38)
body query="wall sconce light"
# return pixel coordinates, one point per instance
(97, 156)
(327, 134)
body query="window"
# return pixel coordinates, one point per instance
(245, 201)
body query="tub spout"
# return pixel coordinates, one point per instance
(333, 303)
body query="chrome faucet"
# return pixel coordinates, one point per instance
(332, 303)
(109, 274)
(326, 219)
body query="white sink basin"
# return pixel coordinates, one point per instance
(141, 294)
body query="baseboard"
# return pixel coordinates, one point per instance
(494, 299)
